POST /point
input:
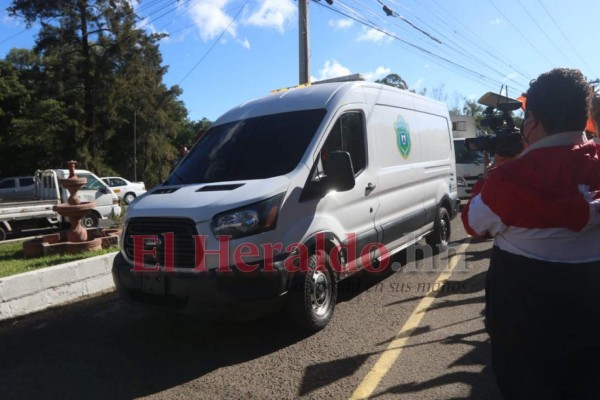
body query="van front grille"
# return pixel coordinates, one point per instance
(183, 230)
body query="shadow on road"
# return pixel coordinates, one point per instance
(101, 349)
(481, 384)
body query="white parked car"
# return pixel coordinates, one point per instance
(126, 190)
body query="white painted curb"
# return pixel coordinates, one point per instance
(48, 287)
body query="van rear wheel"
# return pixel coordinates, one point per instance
(313, 295)
(440, 237)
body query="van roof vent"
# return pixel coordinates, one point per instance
(346, 78)
(219, 188)
(164, 191)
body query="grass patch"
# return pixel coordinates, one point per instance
(13, 262)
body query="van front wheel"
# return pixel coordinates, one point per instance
(313, 295)
(440, 237)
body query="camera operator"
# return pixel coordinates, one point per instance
(543, 283)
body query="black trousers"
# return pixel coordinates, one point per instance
(543, 319)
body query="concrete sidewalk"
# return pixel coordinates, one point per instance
(53, 286)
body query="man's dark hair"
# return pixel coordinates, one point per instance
(560, 99)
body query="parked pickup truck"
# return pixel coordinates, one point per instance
(38, 214)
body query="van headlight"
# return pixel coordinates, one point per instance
(248, 220)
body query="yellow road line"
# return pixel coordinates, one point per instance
(392, 352)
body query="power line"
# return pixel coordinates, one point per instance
(470, 44)
(445, 47)
(215, 42)
(487, 48)
(13, 36)
(521, 33)
(452, 45)
(391, 13)
(565, 37)
(543, 31)
(423, 50)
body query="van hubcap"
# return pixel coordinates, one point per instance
(444, 230)
(320, 292)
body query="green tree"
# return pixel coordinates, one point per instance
(393, 80)
(473, 109)
(98, 75)
(191, 131)
(28, 121)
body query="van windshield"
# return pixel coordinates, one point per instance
(464, 156)
(253, 148)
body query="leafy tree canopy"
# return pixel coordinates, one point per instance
(90, 89)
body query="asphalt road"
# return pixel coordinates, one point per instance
(101, 349)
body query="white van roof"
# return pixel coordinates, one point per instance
(319, 96)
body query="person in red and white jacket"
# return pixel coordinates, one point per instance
(543, 285)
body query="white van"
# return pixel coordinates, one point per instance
(470, 165)
(280, 198)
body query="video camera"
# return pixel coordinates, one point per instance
(505, 141)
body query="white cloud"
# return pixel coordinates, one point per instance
(341, 23)
(275, 14)
(496, 21)
(371, 35)
(332, 69)
(211, 20)
(380, 72)
(245, 43)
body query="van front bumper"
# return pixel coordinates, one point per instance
(230, 295)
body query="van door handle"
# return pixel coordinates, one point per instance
(370, 187)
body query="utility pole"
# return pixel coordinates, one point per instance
(135, 145)
(304, 41)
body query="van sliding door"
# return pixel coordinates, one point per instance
(399, 172)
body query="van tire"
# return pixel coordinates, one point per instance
(90, 221)
(2, 234)
(440, 237)
(313, 295)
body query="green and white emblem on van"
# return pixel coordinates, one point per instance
(402, 136)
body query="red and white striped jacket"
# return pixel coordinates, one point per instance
(545, 204)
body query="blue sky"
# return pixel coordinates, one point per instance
(225, 52)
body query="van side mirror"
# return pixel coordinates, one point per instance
(339, 171)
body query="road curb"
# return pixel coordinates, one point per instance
(53, 286)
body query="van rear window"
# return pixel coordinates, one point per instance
(253, 148)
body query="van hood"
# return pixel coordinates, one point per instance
(201, 202)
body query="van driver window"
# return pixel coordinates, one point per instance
(348, 134)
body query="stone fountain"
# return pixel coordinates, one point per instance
(76, 239)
